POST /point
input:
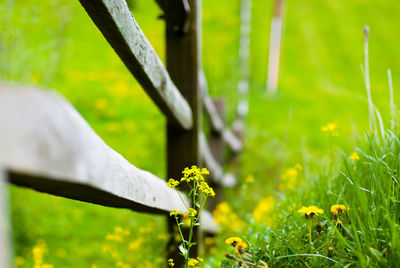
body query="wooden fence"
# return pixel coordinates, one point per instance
(46, 145)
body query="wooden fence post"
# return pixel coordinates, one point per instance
(217, 146)
(5, 249)
(184, 65)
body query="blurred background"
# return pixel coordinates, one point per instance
(54, 44)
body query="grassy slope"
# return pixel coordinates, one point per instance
(55, 44)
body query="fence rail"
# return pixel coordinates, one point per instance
(46, 145)
(116, 23)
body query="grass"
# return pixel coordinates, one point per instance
(54, 44)
(367, 235)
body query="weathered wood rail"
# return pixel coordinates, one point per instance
(46, 145)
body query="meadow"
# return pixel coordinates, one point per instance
(54, 44)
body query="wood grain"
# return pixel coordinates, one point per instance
(116, 23)
(46, 145)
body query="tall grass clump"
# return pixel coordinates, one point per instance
(371, 188)
(345, 216)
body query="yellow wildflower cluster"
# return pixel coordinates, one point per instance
(171, 262)
(291, 178)
(38, 251)
(262, 212)
(194, 173)
(118, 235)
(310, 211)
(121, 264)
(172, 183)
(338, 210)
(175, 212)
(331, 129)
(192, 212)
(194, 262)
(121, 241)
(134, 245)
(204, 188)
(228, 219)
(197, 175)
(354, 156)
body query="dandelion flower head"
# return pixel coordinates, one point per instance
(337, 210)
(310, 211)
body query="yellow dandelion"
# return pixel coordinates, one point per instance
(249, 179)
(354, 156)
(233, 240)
(241, 246)
(135, 244)
(200, 259)
(331, 129)
(338, 210)
(310, 211)
(262, 212)
(192, 262)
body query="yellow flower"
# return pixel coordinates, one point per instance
(192, 262)
(249, 179)
(291, 178)
(330, 128)
(233, 240)
(194, 173)
(101, 104)
(210, 241)
(241, 246)
(207, 190)
(205, 171)
(228, 219)
(186, 220)
(355, 156)
(310, 211)
(172, 183)
(263, 209)
(171, 262)
(200, 259)
(174, 212)
(192, 212)
(135, 244)
(19, 261)
(337, 210)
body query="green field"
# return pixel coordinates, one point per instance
(55, 45)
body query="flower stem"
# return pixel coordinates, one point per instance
(309, 229)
